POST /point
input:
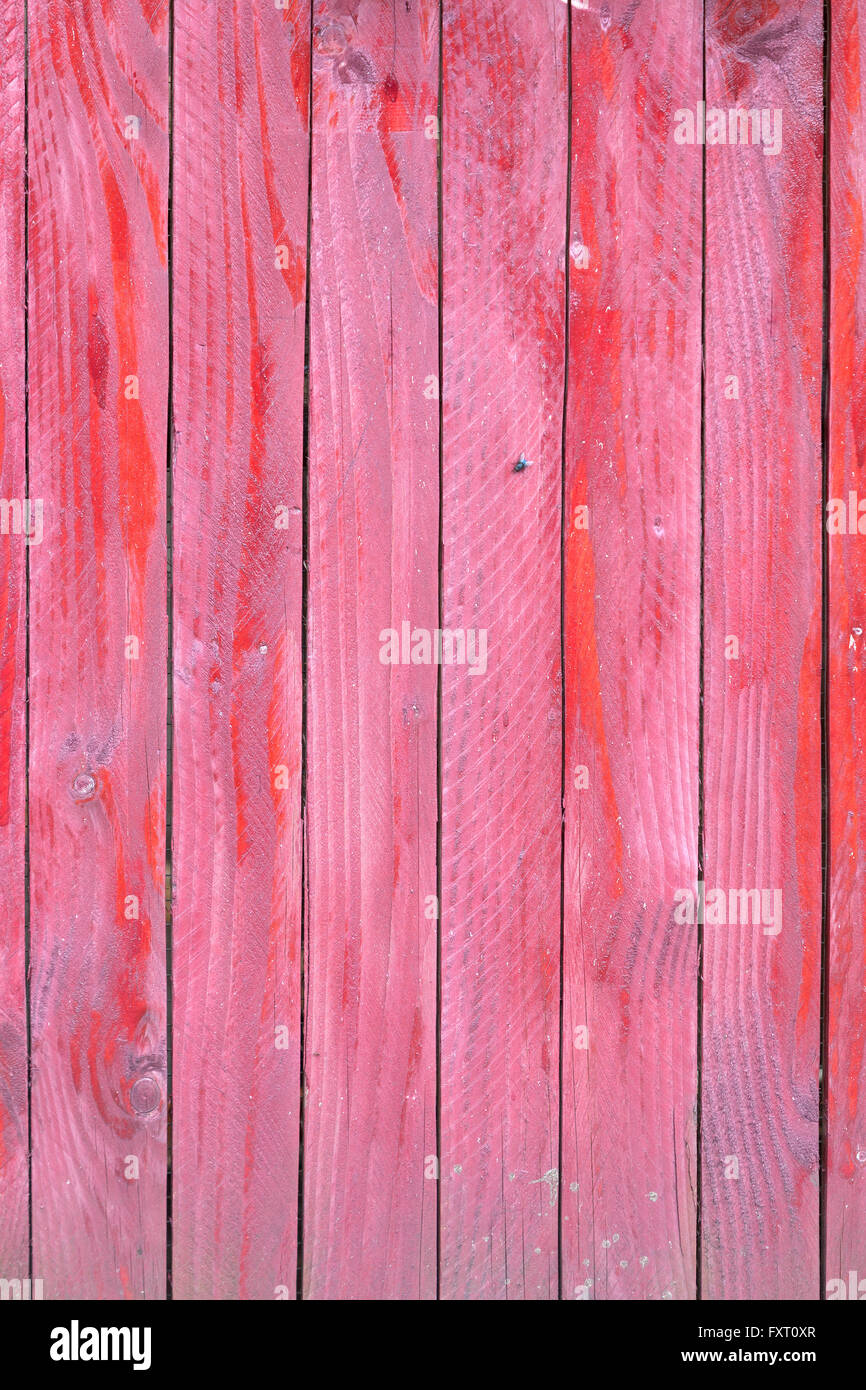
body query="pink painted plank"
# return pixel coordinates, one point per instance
(98, 280)
(504, 172)
(762, 765)
(241, 82)
(846, 966)
(14, 1139)
(632, 647)
(370, 1041)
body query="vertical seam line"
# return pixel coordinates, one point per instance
(305, 680)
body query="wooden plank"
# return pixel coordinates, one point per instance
(14, 1138)
(504, 173)
(846, 1021)
(370, 1041)
(632, 648)
(241, 95)
(762, 655)
(98, 165)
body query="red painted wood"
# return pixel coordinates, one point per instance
(370, 1042)
(632, 645)
(504, 171)
(762, 708)
(14, 1252)
(598, 1185)
(98, 280)
(846, 966)
(239, 271)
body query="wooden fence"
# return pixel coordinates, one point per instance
(431, 737)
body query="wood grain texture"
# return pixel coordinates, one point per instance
(241, 96)
(762, 706)
(14, 1138)
(632, 647)
(504, 180)
(370, 1040)
(846, 966)
(98, 279)
(386, 851)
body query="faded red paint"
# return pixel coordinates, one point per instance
(625, 1171)
(504, 171)
(98, 577)
(631, 587)
(371, 752)
(762, 550)
(238, 394)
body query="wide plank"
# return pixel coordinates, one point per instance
(370, 1023)
(504, 197)
(98, 378)
(240, 129)
(762, 652)
(632, 651)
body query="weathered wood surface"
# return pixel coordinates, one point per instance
(239, 273)
(632, 647)
(437, 1011)
(97, 370)
(14, 1136)
(370, 1036)
(762, 657)
(504, 195)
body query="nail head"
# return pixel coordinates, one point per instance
(84, 786)
(145, 1095)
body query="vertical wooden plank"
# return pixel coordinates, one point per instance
(241, 96)
(14, 1139)
(504, 172)
(846, 1020)
(98, 164)
(762, 654)
(370, 1042)
(632, 648)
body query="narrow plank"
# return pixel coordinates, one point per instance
(14, 1139)
(846, 1021)
(370, 1040)
(241, 95)
(504, 194)
(98, 162)
(762, 655)
(632, 649)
